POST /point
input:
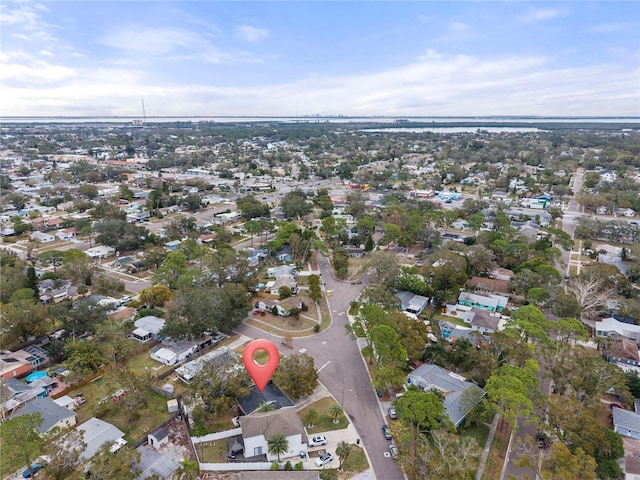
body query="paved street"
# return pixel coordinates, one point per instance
(343, 372)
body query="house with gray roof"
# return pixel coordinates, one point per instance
(259, 428)
(96, 432)
(460, 396)
(53, 415)
(626, 423)
(411, 302)
(154, 463)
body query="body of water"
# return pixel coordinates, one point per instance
(405, 121)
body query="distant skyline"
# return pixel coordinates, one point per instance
(298, 58)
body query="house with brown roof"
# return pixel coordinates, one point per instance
(259, 428)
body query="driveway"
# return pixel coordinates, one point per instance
(343, 372)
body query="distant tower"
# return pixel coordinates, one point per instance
(144, 113)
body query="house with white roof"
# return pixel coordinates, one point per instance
(148, 328)
(609, 327)
(172, 353)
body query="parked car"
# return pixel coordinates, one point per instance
(36, 467)
(324, 459)
(258, 311)
(317, 441)
(392, 413)
(386, 431)
(393, 451)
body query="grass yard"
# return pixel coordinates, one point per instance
(98, 395)
(496, 457)
(478, 432)
(142, 361)
(325, 422)
(212, 452)
(149, 417)
(356, 462)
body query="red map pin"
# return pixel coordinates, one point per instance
(260, 373)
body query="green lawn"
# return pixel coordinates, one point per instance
(325, 423)
(478, 432)
(137, 364)
(212, 452)
(149, 417)
(356, 462)
(98, 395)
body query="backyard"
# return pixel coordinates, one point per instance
(325, 421)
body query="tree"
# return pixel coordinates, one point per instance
(21, 319)
(21, 438)
(265, 407)
(120, 464)
(385, 266)
(284, 292)
(386, 344)
(451, 456)
(564, 465)
(422, 410)
(83, 358)
(343, 450)
(294, 204)
(188, 469)
(220, 382)
(511, 389)
(311, 417)
(278, 445)
(590, 290)
(51, 257)
(335, 412)
(155, 296)
(65, 448)
(296, 375)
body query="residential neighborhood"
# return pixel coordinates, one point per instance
(481, 285)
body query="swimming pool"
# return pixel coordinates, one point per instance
(35, 376)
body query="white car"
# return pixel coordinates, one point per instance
(324, 459)
(317, 441)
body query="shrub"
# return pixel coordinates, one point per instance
(316, 327)
(287, 466)
(275, 466)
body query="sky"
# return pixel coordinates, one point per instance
(300, 58)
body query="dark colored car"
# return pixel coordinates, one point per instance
(35, 467)
(386, 431)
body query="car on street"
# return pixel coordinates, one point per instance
(392, 413)
(324, 459)
(36, 467)
(317, 441)
(393, 451)
(386, 431)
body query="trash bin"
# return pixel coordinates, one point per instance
(357, 441)
(302, 454)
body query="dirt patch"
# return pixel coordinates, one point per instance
(179, 446)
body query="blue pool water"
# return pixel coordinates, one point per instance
(35, 376)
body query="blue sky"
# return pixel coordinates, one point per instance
(419, 58)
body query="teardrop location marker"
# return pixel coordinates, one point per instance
(261, 374)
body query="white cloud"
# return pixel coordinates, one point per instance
(610, 27)
(459, 27)
(539, 15)
(251, 34)
(46, 53)
(435, 84)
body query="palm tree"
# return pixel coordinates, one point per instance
(343, 450)
(335, 411)
(188, 469)
(311, 417)
(277, 445)
(266, 407)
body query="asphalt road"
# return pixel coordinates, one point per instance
(343, 372)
